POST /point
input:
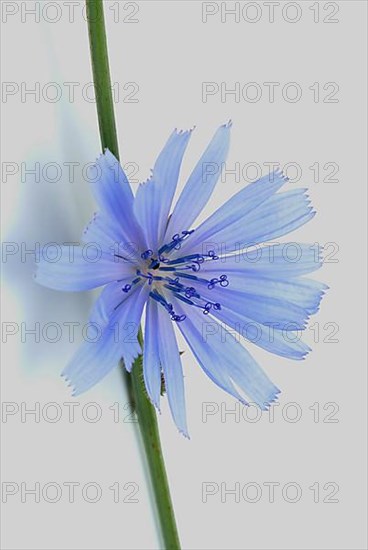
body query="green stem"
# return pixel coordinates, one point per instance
(145, 411)
(101, 75)
(148, 423)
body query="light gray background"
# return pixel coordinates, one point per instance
(169, 53)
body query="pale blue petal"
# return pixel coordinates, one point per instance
(92, 362)
(110, 299)
(151, 355)
(224, 359)
(147, 212)
(81, 268)
(154, 198)
(278, 216)
(172, 369)
(281, 342)
(102, 230)
(107, 234)
(262, 281)
(263, 309)
(115, 198)
(234, 210)
(118, 340)
(129, 323)
(302, 292)
(200, 184)
(278, 261)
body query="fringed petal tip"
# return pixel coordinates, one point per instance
(265, 405)
(146, 182)
(228, 124)
(90, 223)
(299, 355)
(183, 132)
(69, 384)
(184, 433)
(108, 155)
(129, 361)
(279, 174)
(272, 398)
(283, 176)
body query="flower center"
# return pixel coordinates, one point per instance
(177, 276)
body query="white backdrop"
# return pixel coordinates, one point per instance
(292, 77)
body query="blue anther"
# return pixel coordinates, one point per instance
(223, 281)
(146, 254)
(176, 241)
(169, 307)
(196, 266)
(190, 291)
(211, 254)
(178, 318)
(126, 288)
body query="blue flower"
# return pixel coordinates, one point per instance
(213, 282)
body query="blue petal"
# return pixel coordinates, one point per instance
(154, 198)
(147, 212)
(303, 293)
(281, 342)
(234, 210)
(129, 322)
(151, 355)
(115, 198)
(260, 308)
(102, 230)
(279, 261)
(279, 215)
(172, 369)
(94, 360)
(272, 275)
(108, 234)
(74, 269)
(224, 359)
(110, 299)
(200, 185)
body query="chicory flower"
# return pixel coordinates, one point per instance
(195, 278)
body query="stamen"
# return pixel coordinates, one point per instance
(167, 269)
(146, 254)
(176, 241)
(197, 259)
(179, 268)
(126, 288)
(190, 291)
(122, 257)
(192, 277)
(223, 281)
(169, 307)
